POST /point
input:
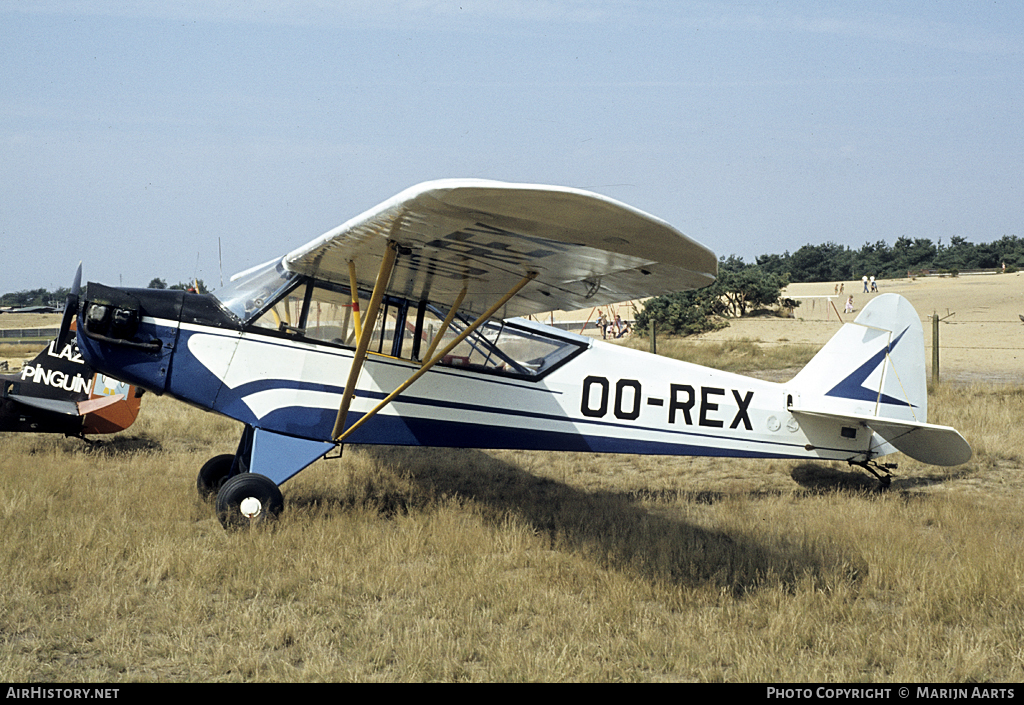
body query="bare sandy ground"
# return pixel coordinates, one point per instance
(981, 336)
(30, 320)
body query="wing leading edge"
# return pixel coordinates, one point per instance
(587, 249)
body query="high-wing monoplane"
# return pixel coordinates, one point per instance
(57, 392)
(403, 326)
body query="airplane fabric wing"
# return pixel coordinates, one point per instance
(587, 249)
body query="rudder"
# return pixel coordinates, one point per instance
(874, 366)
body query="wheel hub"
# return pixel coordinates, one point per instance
(250, 507)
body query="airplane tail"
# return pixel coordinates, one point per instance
(872, 373)
(58, 380)
(56, 373)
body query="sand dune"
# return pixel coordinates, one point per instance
(981, 335)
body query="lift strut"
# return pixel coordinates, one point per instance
(430, 362)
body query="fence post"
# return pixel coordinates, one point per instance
(654, 338)
(935, 347)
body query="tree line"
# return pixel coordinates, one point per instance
(742, 286)
(45, 297)
(834, 262)
(196, 286)
(736, 291)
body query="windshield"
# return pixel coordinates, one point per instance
(249, 292)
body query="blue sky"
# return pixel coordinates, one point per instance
(136, 134)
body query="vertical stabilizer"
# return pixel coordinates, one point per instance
(56, 372)
(874, 366)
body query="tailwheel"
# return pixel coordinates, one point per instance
(882, 471)
(213, 475)
(247, 500)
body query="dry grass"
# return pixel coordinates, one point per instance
(16, 353)
(419, 564)
(30, 320)
(740, 355)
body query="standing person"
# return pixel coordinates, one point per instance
(602, 323)
(849, 304)
(865, 280)
(874, 287)
(618, 326)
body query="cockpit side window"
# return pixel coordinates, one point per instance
(325, 313)
(312, 311)
(330, 317)
(285, 315)
(509, 348)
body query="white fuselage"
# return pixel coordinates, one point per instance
(606, 399)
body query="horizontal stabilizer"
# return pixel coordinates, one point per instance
(66, 406)
(57, 406)
(91, 406)
(928, 443)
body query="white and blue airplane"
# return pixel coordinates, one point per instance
(403, 327)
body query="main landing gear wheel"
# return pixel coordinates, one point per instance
(213, 474)
(248, 499)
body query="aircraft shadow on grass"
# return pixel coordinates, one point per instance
(820, 478)
(609, 527)
(124, 445)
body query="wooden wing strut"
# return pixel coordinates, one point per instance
(386, 265)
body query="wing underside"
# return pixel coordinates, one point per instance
(484, 236)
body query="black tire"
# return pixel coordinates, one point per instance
(213, 474)
(248, 499)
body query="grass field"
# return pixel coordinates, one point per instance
(417, 564)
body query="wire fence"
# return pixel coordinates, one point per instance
(26, 335)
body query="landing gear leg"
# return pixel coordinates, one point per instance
(218, 469)
(265, 460)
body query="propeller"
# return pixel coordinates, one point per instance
(70, 309)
